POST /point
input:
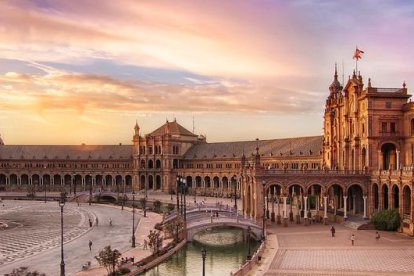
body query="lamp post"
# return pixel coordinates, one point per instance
(264, 210)
(62, 262)
(133, 218)
(177, 193)
(74, 184)
(203, 255)
(90, 189)
(249, 256)
(235, 192)
(44, 185)
(184, 184)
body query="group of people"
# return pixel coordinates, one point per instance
(377, 235)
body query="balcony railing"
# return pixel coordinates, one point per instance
(316, 172)
(389, 133)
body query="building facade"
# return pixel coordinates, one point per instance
(362, 163)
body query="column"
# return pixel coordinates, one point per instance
(306, 207)
(379, 160)
(325, 207)
(397, 161)
(284, 207)
(365, 207)
(345, 206)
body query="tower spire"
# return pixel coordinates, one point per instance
(336, 72)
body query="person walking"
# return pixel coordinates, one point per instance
(333, 231)
(90, 222)
(145, 245)
(90, 245)
(110, 222)
(377, 236)
(96, 221)
(352, 239)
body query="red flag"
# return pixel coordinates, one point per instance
(357, 54)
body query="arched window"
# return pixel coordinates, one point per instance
(158, 164)
(142, 164)
(150, 164)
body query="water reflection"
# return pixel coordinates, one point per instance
(226, 251)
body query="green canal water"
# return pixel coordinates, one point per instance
(227, 249)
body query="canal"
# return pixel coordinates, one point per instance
(227, 249)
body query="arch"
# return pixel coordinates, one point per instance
(225, 182)
(142, 165)
(99, 181)
(175, 163)
(108, 180)
(128, 183)
(207, 181)
(355, 199)
(150, 182)
(375, 195)
(249, 200)
(385, 196)
(46, 179)
(158, 182)
(389, 156)
(2, 182)
(150, 164)
(57, 180)
(406, 202)
(158, 164)
(335, 194)
(67, 180)
(24, 179)
(142, 182)
(198, 181)
(189, 181)
(216, 182)
(13, 179)
(314, 196)
(118, 183)
(35, 181)
(395, 197)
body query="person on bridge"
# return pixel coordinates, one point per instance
(90, 245)
(352, 239)
(333, 231)
(96, 221)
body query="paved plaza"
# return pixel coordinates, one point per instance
(34, 240)
(311, 250)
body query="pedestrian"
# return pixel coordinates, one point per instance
(110, 222)
(377, 236)
(145, 245)
(90, 245)
(333, 231)
(90, 222)
(96, 221)
(352, 239)
(77, 201)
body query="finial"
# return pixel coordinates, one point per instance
(404, 85)
(257, 146)
(336, 72)
(369, 82)
(353, 74)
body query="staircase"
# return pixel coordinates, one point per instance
(357, 223)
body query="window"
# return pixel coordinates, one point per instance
(149, 150)
(388, 104)
(200, 166)
(218, 166)
(393, 128)
(383, 127)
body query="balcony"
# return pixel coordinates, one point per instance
(316, 172)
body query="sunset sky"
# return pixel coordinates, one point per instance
(75, 72)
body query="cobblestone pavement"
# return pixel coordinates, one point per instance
(313, 251)
(35, 227)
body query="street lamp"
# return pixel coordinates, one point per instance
(133, 218)
(235, 192)
(74, 184)
(62, 262)
(249, 230)
(90, 189)
(177, 192)
(264, 210)
(203, 255)
(44, 185)
(184, 185)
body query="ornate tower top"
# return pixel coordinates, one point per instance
(136, 128)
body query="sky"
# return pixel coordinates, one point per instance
(85, 71)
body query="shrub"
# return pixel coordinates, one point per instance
(388, 220)
(157, 206)
(124, 270)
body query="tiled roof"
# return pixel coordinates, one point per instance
(172, 128)
(288, 147)
(82, 152)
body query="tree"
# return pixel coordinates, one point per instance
(155, 241)
(173, 227)
(109, 259)
(388, 220)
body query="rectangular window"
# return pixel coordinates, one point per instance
(393, 129)
(383, 127)
(149, 150)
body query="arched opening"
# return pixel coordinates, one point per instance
(35, 182)
(142, 164)
(364, 158)
(335, 198)
(57, 180)
(395, 197)
(13, 179)
(128, 183)
(189, 182)
(355, 199)
(158, 182)
(207, 181)
(385, 196)
(407, 202)
(88, 182)
(78, 182)
(2, 182)
(108, 181)
(248, 205)
(216, 182)
(24, 179)
(150, 164)
(118, 183)
(158, 164)
(225, 183)
(67, 179)
(198, 181)
(175, 163)
(150, 182)
(314, 197)
(142, 182)
(375, 195)
(99, 181)
(389, 156)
